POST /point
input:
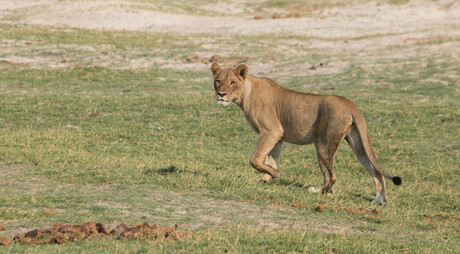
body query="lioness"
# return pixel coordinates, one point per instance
(278, 114)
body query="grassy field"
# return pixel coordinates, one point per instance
(93, 127)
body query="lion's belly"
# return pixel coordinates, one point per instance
(298, 138)
(298, 130)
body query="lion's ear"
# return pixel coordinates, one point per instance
(242, 70)
(215, 68)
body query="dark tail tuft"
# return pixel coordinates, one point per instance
(396, 180)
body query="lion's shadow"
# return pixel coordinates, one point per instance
(297, 184)
(294, 183)
(165, 171)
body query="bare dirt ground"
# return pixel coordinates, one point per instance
(377, 25)
(350, 21)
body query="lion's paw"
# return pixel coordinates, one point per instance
(379, 200)
(276, 174)
(266, 178)
(314, 189)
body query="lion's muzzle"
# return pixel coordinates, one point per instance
(220, 99)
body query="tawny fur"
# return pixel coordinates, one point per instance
(282, 115)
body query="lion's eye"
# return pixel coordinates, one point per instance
(232, 83)
(217, 82)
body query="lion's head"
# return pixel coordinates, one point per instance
(228, 83)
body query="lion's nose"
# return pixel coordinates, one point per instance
(221, 94)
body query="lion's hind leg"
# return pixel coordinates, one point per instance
(325, 154)
(327, 141)
(332, 126)
(354, 139)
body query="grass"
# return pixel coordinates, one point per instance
(92, 140)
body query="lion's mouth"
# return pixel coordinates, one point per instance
(222, 102)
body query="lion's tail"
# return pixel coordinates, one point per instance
(360, 142)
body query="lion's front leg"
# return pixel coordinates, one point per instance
(267, 147)
(272, 160)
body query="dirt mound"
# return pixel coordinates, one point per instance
(4, 241)
(441, 218)
(60, 233)
(320, 206)
(299, 204)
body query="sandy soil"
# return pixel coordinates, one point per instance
(394, 25)
(350, 21)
